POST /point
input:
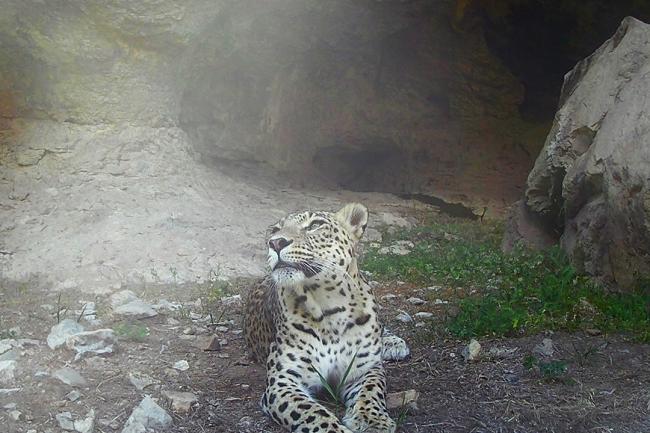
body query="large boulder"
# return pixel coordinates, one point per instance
(590, 186)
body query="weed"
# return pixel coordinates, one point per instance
(335, 393)
(520, 292)
(174, 273)
(132, 331)
(403, 413)
(549, 371)
(584, 354)
(529, 362)
(216, 288)
(6, 333)
(61, 310)
(81, 314)
(553, 369)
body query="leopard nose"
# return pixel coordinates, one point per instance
(278, 244)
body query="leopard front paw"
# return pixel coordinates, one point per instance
(394, 348)
(376, 424)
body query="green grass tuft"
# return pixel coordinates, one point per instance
(520, 292)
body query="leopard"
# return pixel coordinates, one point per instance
(313, 321)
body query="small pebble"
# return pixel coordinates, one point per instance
(181, 365)
(404, 317)
(416, 301)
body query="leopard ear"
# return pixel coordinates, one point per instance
(355, 215)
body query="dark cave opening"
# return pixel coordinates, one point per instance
(539, 41)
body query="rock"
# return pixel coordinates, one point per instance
(73, 395)
(122, 297)
(140, 380)
(439, 301)
(110, 423)
(87, 312)
(433, 289)
(147, 415)
(472, 350)
(389, 219)
(15, 415)
(593, 332)
(8, 391)
(388, 297)
(91, 343)
(87, 424)
(212, 344)
(396, 400)
(181, 365)
(7, 344)
(65, 421)
(68, 423)
(372, 235)
(137, 309)
(416, 301)
(7, 371)
(164, 304)
(61, 331)
(181, 401)
(404, 317)
(546, 348)
(398, 248)
(526, 228)
(231, 300)
(502, 352)
(590, 182)
(423, 315)
(11, 355)
(171, 372)
(69, 376)
(92, 117)
(95, 363)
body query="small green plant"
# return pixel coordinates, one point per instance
(6, 332)
(529, 362)
(548, 370)
(183, 312)
(81, 313)
(403, 413)
(174, 273)
(216, 288)
(132, 331)
(61, 310)
(552, 369)
(583, 354)
(335, 392)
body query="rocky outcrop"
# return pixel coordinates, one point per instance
(121, 122)
(590, 187)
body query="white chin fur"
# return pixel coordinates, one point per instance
(287, 276)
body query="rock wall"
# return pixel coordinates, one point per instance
(590, 186)
(121, 122)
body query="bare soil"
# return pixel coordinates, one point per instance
(606, 386)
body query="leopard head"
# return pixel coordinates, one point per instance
(303, 245)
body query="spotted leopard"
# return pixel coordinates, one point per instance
(315, 316)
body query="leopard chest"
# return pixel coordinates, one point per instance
(346, 334)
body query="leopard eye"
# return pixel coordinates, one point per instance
(273, 230)
(315, 224)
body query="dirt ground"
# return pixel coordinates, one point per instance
(603, 385)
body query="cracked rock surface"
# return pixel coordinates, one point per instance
(591, 185)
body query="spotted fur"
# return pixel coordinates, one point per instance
(315, 314)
